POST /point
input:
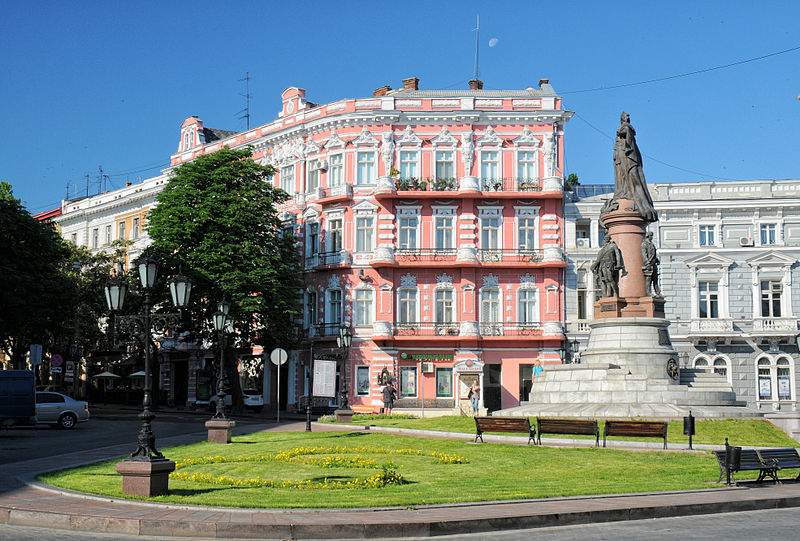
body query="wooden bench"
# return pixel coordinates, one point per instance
(567, 426)
(750, 461)
(643, 429)
(784, 459)
(503, 424)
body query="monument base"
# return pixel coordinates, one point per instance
(344, 415)
(145, 478)
(219, 430)
(616, 307)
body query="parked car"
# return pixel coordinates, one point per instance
(60, 410)
(253, 400)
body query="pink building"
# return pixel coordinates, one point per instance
(431, 223)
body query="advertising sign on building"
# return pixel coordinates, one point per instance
(324, 378)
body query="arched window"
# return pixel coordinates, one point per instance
(784, 377)
(775, 379)
(764, 379)
(721, 367)
(701, 363)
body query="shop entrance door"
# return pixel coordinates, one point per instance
(464, 384)
(491, 387)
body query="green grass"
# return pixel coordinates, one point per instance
(754, 432)
(493, 472)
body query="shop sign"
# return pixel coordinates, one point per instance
(427, 356)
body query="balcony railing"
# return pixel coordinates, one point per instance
(403, 255)
(324, 329)
(329, 259)
(775, 324)
(511, 185)
(335, 191)
(510, 255)
(486, 329)
(712, 325)
(426, 328)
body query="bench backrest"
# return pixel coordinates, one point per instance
(749, 461)
(502, 424)
(786, 458)
(567, 426)
(656, 429)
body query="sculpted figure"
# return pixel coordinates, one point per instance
(467, 148)
(650, 265)
(387, 151)
(607, 267)
(629, 182)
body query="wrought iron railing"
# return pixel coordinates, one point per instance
(403, 255)
(510, 185)
(510, 255)
(426, 328)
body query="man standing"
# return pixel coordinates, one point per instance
(388, 398)
(650, 265)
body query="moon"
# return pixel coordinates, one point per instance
(493, 42)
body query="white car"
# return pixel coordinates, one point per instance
(60, 410)
(253, 400)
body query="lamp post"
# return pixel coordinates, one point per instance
(220, 426)
(145, 472)
(344, 413)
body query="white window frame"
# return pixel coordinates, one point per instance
(523, 166)
(526, 214)
(708, 296)
(714, 229)
(360, 370)
(442, 215)
(121, 230)
(312, 173)
(710, 268)
(777, 232)
(330, 237)
(287, 179)
(773, 364)
(330, 311)
(364, 241)
(335, 176)
(402, 310)
(312, 238)
(452, 308)
(491, 158)
(363, 306)
(522, 307)
(109, 235)
(486, 214)
(96, 237)
(367, 175)
(447, 162)
(404, 165)
(403, 387)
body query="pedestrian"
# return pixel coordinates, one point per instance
(389, 395)
(474, 397)
(537, 368)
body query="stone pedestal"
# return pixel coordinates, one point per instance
(344, 415)
(145, 478)
(627, 229)
(219, 430)
(613, 307)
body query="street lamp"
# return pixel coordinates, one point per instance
(220, 320)
(143, 325)
(343, 341)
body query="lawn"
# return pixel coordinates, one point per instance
(752, 432)
(305, 469)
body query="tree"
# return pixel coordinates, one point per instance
(572, 180)
(37, 295)
(216, 218)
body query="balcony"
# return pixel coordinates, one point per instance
(426, 328)
(510, 255)
(486, 330)
(329, 259)
(425, 255)
(775, 325)
(712, 326)
(510, 185)
(432, 187)
(334, 193)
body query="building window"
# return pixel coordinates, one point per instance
(408, 227)
(768, 234)
(313, 176)
(784, 379)
(407, 306)
(95, 237)
(701, 364)
(443, 226)
(764, 379)
(491, 315)
(313, 240)
(444, 305)
(287, 179)
(135, 229)
(121, 231)
(490, 233)
(444, 382)
(74, 239)
(772, 376)
(334, 316)
(527, 233)
(311, 307)
(408, 164)
(771, 298)
(527, 170)
(363, 307)
(526, 305)
(362, 380)
(408, 381)
(364, 233)
(365, 167)
(708, 299)
(582, 296)
(335, 235)
(444, 164)
(490, 165)
(335, 170)
(108, 235)
(706, 234)
(721, 367)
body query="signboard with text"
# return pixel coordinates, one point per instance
(324, 378)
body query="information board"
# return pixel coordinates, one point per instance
(324, 378)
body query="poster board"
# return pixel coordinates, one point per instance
(324, 378)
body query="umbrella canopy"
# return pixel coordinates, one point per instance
(139, 374)
(106, 374)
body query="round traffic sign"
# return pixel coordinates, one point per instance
(278, 356)
(56, 360)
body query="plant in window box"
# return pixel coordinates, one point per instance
(403, 184)
(527, 184)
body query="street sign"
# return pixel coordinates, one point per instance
(55, 369)
(278, 356)
(56, 361)
(36, 354)
(325, 378)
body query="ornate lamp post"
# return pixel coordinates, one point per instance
(146, 471)
(345, 338)
(220, 426)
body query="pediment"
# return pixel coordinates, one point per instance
(365, 138)
(444, 138)
(365, 206)
(771, 259)
(334, 141)
(710, 260)
(490, 138)
(527, 138)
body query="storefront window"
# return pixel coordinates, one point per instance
(444, 382)
(362, 381)
(408, 381)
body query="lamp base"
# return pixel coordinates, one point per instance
(145, 478)
(219, 431)
(344, 415)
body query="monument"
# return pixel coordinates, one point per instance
(629, 368)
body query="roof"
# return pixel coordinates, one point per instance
(527, 93)
(47, 214)
(212, 134)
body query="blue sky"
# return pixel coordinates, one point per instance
(88, 84)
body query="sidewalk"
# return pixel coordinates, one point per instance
(28, 503)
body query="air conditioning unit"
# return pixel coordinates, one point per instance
(583, 243)
(427, 368)
(745, 241)
(321, 164)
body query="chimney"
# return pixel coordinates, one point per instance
(543, 82)
(412, 83)
(378, 92)
(476, 84)
(128, 184)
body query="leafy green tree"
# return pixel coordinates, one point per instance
(216, 219)
(572, 180)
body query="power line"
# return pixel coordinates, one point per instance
(687, 74)
(159, 165)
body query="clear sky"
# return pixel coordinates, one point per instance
(108, 83)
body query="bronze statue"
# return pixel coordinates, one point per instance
(607, 267)
(629, 182)
(650, 265)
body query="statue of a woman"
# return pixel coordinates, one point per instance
(629, 182)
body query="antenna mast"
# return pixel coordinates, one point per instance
(246, 96)
(477, 39)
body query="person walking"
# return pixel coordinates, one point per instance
(389, 395)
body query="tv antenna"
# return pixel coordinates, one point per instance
(246, 96)
(477, 31)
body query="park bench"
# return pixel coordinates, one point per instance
(567, 426)
(503, 424)
(784, 459)
(749, 461)
(643, 429)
